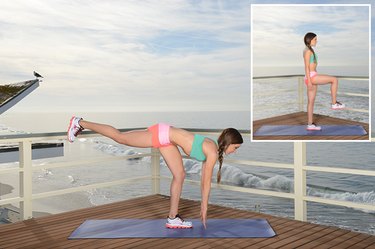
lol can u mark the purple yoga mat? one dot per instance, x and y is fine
(144, 228)
(300, 130)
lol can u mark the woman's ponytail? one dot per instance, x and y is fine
(227, 137)
(307, 39)
(220, 159)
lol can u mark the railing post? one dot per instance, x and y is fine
(300, 94)
(300, 212)
(155, 170)
(25, 179)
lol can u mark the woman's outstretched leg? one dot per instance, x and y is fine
(137, 138)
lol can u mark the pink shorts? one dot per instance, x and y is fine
(312, 75)
(160, 135)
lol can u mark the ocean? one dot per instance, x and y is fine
(354, 93)
(335, 186)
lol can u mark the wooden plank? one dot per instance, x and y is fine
(310, 237)
(82, 212)
(53, 230)
(62, 226)
(288, 229)
(367, 243)
(352, 242)
(327, 237)
(304, 233)
(338, 240)
(53, 221)
(247, 242)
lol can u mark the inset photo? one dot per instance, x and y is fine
(310, 72)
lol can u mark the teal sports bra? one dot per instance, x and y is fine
(313, 58)
(197, 148)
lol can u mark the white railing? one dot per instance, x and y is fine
(299, 166)
(301, 91)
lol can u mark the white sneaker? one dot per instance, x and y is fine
(178, 222)
(337, 106)
(74, 128)
(313, 127)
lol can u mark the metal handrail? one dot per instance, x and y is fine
(299, 166)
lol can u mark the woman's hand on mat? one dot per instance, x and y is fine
(204, 215)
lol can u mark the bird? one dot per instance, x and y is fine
(37, 75)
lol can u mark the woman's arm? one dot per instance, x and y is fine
(207, 169)
(306, 58)
(210, 150)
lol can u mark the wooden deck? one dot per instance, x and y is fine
(299, 118)
(52, 231)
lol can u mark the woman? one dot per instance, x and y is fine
(167, 138)
(313, 79)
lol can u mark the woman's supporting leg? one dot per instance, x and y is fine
(137, 138)
(311, 93)
(173, 158)
(322, 79)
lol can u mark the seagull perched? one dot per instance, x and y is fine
(37, 75)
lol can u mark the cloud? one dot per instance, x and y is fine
(343, 34)
(128, 54)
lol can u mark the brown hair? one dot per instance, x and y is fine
(227, 137)
(307, 39)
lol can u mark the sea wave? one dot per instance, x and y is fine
(116, 150)
(362, 197)
(97, 197)
(10, 130)
(233, 175)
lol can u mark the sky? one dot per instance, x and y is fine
(127, 55)
(169, 55)
(342, 32)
